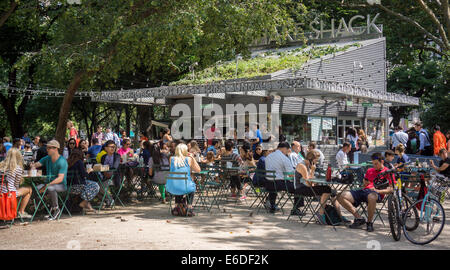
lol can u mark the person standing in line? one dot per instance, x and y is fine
(425, 148)
(98, 135)
(399, 137)
(439, 140)
(352, 138)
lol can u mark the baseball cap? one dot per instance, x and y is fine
(53, 143)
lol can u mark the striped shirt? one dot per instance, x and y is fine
(12, 179)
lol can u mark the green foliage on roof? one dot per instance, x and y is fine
(260, 65)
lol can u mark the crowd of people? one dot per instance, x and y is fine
(167, 155)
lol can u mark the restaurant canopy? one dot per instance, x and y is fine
(337, 71)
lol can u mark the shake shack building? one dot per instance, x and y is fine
(335, 81)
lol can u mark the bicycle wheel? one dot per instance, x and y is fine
(431, 222)
(394, 218)
(413, 216)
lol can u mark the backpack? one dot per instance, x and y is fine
(332, 217)
(180, 209)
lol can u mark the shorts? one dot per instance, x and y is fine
(361, 195)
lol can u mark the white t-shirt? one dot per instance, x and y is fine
(341, 158)
(351, 139)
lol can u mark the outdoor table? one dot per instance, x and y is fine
(34, 181)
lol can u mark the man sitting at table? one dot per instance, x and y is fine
(342, 161)
(56, 167)
(369, 194)
(279, 162)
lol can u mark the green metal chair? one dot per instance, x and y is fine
(178, 176)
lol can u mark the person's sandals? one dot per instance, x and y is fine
(24, 215)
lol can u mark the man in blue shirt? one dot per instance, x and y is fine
(56, 167)
(213, 147)
(257, 137)
(6, 143)
(26, 138)
(425, 148)
(94, 149)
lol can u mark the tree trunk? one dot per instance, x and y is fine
(65, 109)
(143, 114)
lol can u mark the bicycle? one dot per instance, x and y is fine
(431, 213)
(398, 203)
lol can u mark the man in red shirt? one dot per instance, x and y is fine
(369, 194)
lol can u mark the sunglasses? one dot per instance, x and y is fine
(51, 147)
(71, 143)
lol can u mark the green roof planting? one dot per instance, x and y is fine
(260, 65)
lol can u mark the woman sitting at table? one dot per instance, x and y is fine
(71, 144)
(248, 161)
(305, 170)
(195, 150)
(209, 160)
(183, 162)
(112, 159)
(12, 168)
(158, 165)
(78, 175)
(84, 147)
(126, 150)
(146, 153)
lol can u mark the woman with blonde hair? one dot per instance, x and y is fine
(362, 141)
(12, 168)
(182, 161)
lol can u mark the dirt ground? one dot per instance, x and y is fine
(148, 225)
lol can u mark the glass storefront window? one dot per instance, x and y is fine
(376, 132)
(309, 128)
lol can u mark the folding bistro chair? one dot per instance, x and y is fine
(63, 197)
(178, 176)
(201, 192)
(263, 197)
(104, 185)
(288, 177)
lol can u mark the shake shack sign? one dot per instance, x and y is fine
(333, 29)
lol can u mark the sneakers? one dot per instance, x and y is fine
(24, 215)
(370, 226)
(345, 221)
(243, 198)
(357, 223)
(274, 209)
(54, 213)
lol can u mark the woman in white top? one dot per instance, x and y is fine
(12, 169)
